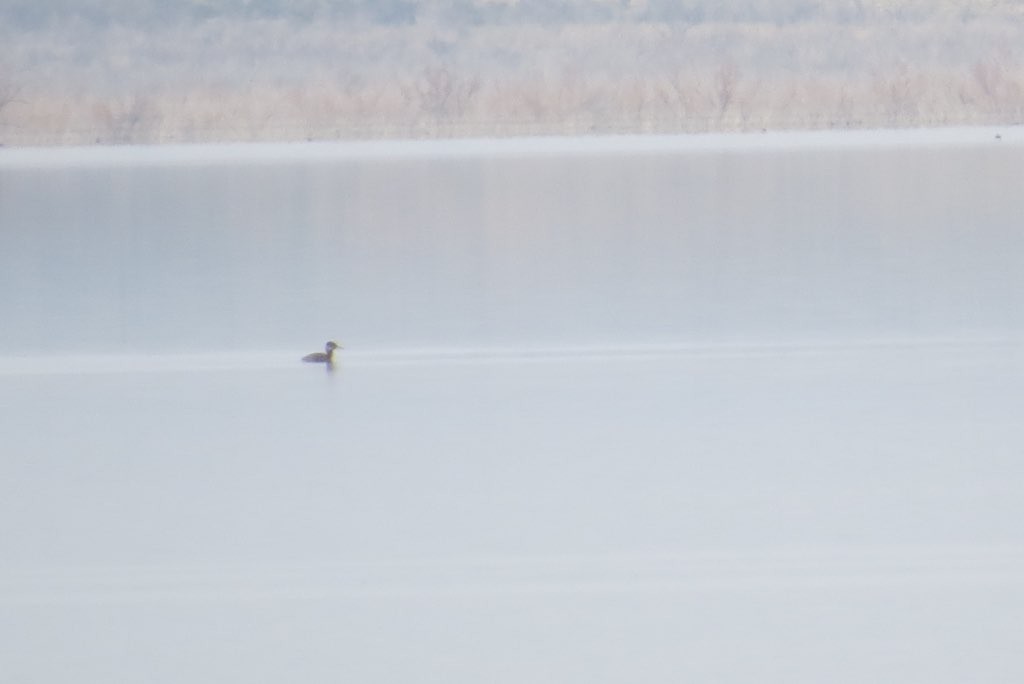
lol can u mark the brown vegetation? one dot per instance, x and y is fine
(283, 79)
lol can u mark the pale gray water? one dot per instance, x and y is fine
(497, 248)
(722, 413)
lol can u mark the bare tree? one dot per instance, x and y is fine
(994, 78)
(988, 74)
(8, 95)
(726, 80)
(679, 92)
(897, 89)
(441, 94)
(10, 92)
(126, 120)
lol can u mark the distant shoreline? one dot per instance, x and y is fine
(209, 154)
(237, 78)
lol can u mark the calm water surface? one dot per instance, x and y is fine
(605, 412)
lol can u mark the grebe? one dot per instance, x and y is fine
(326, 356)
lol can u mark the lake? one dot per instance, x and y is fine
(719, 408)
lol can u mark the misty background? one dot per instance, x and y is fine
(609, 408)
(109, 72)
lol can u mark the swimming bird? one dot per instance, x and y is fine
(326, 356)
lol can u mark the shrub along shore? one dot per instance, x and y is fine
(265, 76)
